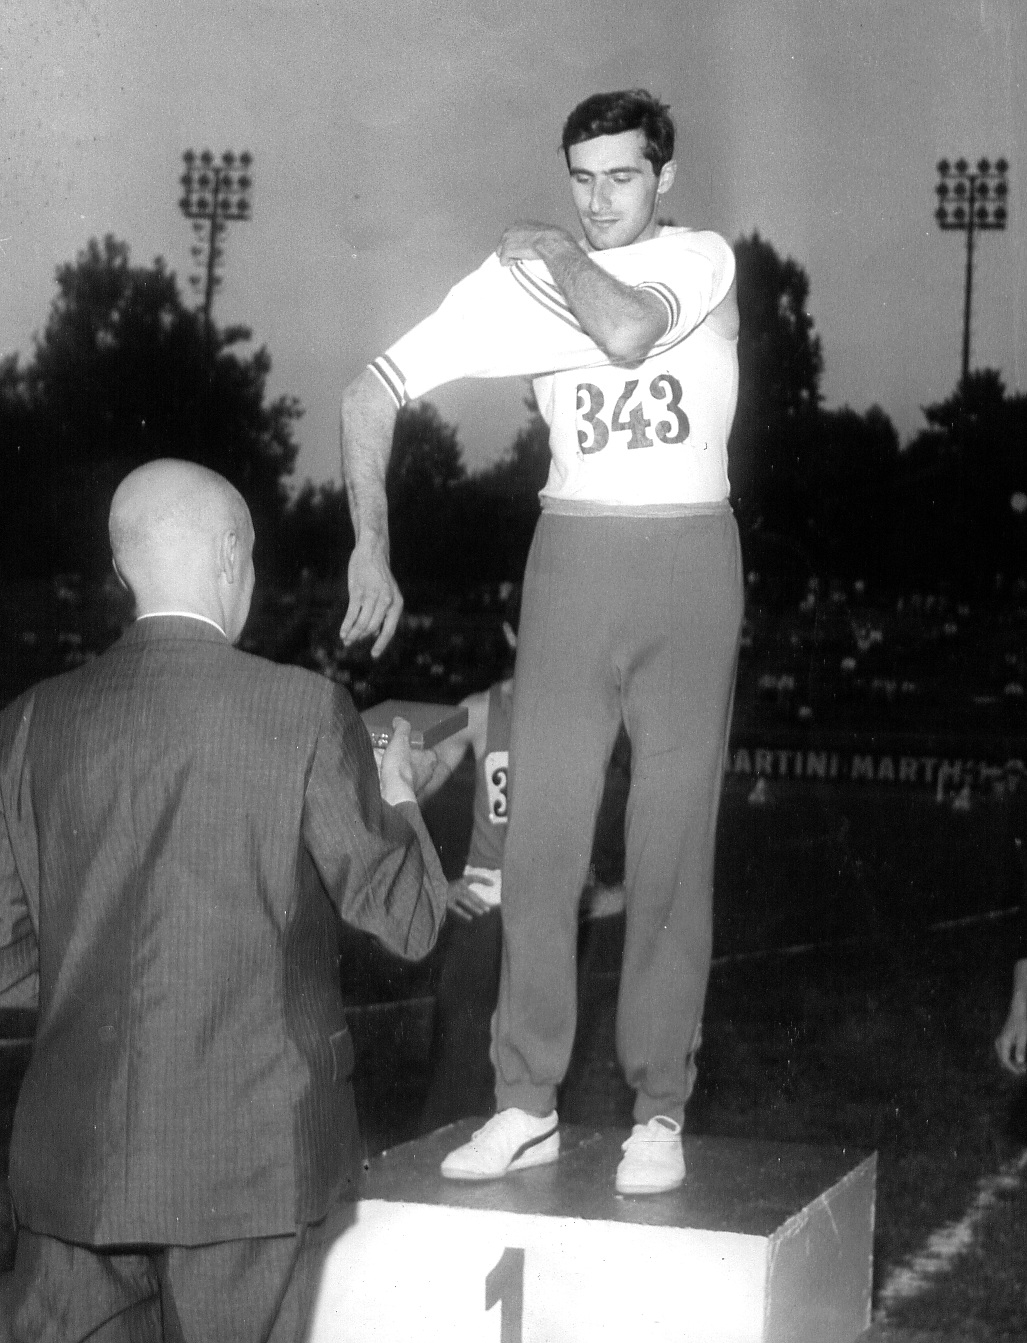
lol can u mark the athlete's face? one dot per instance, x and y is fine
(616, 192)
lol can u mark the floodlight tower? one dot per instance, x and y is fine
(215, 193)
(971, 199)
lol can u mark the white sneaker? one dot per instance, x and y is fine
(653, 1158)
(511, 1140)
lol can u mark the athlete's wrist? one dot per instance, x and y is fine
(371, 532)
(554, 239)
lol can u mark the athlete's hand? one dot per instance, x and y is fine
(521, 242)
(465, 903)
(1011, 1044)
(375, 602)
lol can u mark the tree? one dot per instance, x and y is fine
(779, 354)
(963, 486)
(426, 460)
(851, 491)
(423, 484)
(123, 373)
(23, 480)
(504, 499)
(316, 533)
(780, 365)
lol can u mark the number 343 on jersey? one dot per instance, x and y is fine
(633, 413)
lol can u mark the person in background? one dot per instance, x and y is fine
(461, 1080)
(1011, 1042)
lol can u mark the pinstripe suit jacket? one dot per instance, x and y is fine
(181, 827)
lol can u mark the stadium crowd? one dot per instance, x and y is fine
(837, 656)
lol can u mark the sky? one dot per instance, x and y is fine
(393, 141)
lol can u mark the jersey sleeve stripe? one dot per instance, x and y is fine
(548, 296)
(392, 378)
(669, 300)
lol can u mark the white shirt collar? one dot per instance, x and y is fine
(187, 615)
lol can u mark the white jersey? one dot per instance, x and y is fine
(654, 435)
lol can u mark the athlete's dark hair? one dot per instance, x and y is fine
(614, 113)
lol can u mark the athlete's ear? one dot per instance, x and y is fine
(667, 174)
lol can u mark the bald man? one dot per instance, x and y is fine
(182, 826)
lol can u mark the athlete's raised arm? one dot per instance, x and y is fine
(623, 321)
(617, 188)
(367, 424)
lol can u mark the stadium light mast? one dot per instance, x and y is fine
(215, 193)
(971, 200)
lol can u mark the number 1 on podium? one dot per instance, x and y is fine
(505, 1284)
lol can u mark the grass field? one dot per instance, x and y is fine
(857, 985)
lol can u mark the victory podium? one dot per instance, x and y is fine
(764, 1243)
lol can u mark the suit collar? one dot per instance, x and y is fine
(185, 615)
(155, 629)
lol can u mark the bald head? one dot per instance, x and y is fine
(182, 540)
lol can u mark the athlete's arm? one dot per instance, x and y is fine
(368, 421)
(624, 322)
(514, 320)
(723, 319)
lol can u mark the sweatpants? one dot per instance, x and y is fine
(629, 619)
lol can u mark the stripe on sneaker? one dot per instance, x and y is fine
(532, 1142)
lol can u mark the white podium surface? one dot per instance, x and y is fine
(764, 1243)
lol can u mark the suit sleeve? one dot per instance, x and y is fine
(19, 948)
(377, 862)
(505, 321)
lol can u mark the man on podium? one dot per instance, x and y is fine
(632, 604)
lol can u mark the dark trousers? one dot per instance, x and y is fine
(632, 620)
(461, 1080)
(240, 1291)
